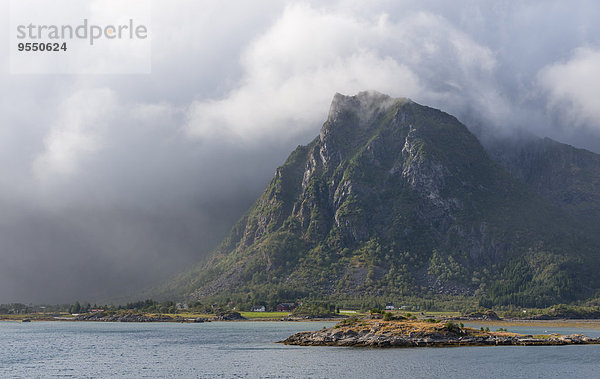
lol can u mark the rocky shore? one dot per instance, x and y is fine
(133, 317)
(417, 333)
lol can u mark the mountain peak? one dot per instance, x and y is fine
(364, 106)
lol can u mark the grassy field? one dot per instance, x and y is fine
(264, 315)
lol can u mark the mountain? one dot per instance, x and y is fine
(566, 176)
(394, 200)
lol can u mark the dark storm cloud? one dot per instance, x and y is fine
(110, 183)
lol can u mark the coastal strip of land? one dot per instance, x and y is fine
(423, 333)
(132, 316)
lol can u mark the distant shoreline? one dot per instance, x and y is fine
(591, 323)
(165, 319)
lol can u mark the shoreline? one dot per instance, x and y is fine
(166, 320)
(589, 323)
(565, 323)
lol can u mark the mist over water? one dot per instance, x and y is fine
(110, 183)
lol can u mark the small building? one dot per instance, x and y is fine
(259, 308)
(181, 306)
(285, 307)
(389, 307)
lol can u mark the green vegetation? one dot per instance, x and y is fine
(453, 327)
(588, 310)
(15, 308)
(49, 309)
(316, 309)
(349, 321)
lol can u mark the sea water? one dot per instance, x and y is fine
(249, 350)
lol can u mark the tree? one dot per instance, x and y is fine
(75, 308)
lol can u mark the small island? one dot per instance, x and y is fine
(422, 333)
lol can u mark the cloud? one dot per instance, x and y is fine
(573, 88)
(77, 132)
(291, 71)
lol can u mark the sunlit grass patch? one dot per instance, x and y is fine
(264, 315)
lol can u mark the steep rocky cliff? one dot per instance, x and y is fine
(394, 199)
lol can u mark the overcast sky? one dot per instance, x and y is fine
(109, 183)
